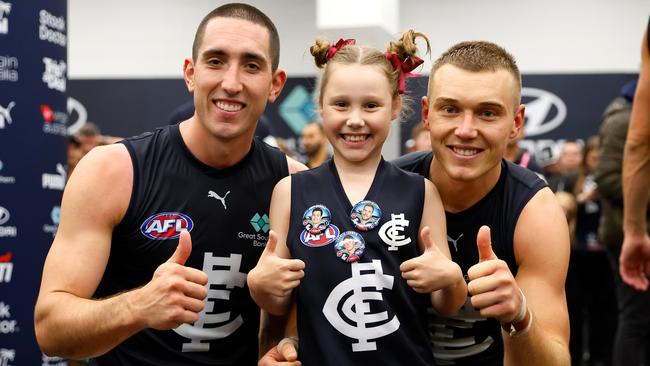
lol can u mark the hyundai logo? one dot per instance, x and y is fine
(545, 111)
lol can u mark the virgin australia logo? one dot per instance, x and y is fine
(545, 111)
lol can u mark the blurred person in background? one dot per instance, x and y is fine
(89, 136)
(564, 179)
(521, 156)
(315, 145)
(420, 139)
(632, 336)
(590, 285)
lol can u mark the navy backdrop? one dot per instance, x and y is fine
(559, 106)
(33, 129)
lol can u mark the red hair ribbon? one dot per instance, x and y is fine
(404, 67)
(334, 49)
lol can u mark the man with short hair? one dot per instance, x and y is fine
(315, 144)
(505, 227)
(117, 285)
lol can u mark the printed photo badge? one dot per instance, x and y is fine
(365, 215)
(316, 219)
(318, 240)
(350, 246)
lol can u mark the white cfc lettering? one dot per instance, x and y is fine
(357, 309)
(229, 276)
(391, 232)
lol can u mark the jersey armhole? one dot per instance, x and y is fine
(538, 186)
(135, 187)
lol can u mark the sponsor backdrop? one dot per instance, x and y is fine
(558, 107)
(33, 123)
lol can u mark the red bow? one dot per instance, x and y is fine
(333, 49)
(404, 67)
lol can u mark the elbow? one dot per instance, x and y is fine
(45, 343)
(46, 335)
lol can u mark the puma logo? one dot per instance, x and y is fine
(212, 194)
(455, 242)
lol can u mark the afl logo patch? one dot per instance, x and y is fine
(318, 240)
(166, 225)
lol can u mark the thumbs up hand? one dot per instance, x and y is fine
(275, 275)
(432, 270)
(174, 295)
(493, 289)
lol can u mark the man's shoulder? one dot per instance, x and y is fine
(416, 162)
(271, 157)
(522, 178)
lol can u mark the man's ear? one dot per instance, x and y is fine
(519, 121)
(188, 74)
(277, 83)
(425, 111)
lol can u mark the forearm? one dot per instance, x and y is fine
(448, 300)
(636, 175)
(535, 348)
(274, 305)
(73, 327)
(274, 328)
(636, 161)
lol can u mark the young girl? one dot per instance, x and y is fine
(367, 275)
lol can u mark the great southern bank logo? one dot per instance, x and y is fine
(260, 223)
(166, 225)
(545, 111)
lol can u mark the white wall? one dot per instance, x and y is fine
(150, 38)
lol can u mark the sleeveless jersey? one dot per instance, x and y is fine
(226, 212)
(362, 312)
(466, 338)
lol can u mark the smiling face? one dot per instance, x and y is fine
(357, 106)
(366, 212)
(231, 78)
(348, 244)
(471, 116)
(316, 216)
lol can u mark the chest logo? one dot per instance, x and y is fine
(360, 324)
(454, 241)
(166, 225)
(213, 194)
(226, 277)
(392, 232)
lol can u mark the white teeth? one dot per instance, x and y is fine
(465, 152)
(354, 138)
(229, 107)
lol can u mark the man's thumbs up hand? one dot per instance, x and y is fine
(174, 295)
(493, 288)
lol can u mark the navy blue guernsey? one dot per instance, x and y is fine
(361, 313)
(466, 338)
(226, 212)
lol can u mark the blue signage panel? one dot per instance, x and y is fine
(33, 130)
